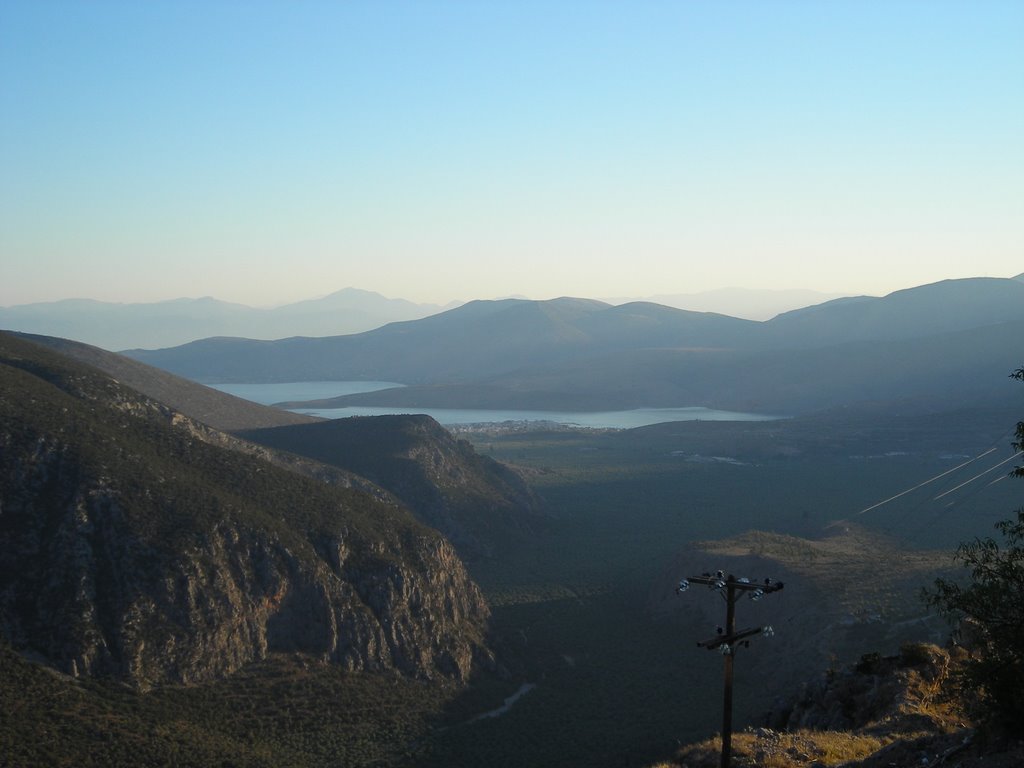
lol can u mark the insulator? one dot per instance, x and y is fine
(757, 594)
(768, 631)
(724, 649)
(683, 585)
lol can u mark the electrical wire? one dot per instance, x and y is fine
(982, 474)
(926, 482)
(959, 502)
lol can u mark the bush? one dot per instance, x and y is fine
(916, 654)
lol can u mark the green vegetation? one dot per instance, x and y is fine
(286, 712)
(1018, 442)
(993, 604)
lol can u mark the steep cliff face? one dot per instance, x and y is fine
(476, 502)
(129, 548)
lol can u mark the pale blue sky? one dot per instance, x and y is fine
(268, 152)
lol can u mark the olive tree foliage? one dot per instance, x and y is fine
(1018, 442)
(993, 603)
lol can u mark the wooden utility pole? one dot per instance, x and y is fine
(728, 639)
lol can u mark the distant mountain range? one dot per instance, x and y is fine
(168, 323)
(115, 326)
(946, 341)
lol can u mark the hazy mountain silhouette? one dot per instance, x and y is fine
(951, 305)
(948, 340)
(478, 339)
(115, 326)
(747, 303)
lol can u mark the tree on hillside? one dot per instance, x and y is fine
(993, 601)
(1018, 442)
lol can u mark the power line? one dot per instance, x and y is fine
(894, 522)
(997, 480)
(982, 474)
(926, 482)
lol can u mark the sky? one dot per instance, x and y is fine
(267, 152)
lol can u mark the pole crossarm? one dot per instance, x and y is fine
(721, 581)
(735, 637)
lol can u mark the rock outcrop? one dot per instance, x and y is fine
(877, 689)
(909, 709)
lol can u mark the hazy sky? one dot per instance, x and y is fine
(268, 152)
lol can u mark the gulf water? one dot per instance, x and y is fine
(269, 394)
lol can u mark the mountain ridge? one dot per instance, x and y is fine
(744, 303)
(212, 407)
(568, 354)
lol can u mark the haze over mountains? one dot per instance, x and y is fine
(747, 303)
(115, 326)
(167, 323)
(948, 342)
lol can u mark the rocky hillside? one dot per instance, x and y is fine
(209, 406)
(472, 499)
(908, 709)
(131, 549)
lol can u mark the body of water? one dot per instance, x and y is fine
(268, 394)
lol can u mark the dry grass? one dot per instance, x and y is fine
(764, 748)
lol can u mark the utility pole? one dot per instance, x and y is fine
(728, 639)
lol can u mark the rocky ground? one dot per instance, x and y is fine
(903, 710)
